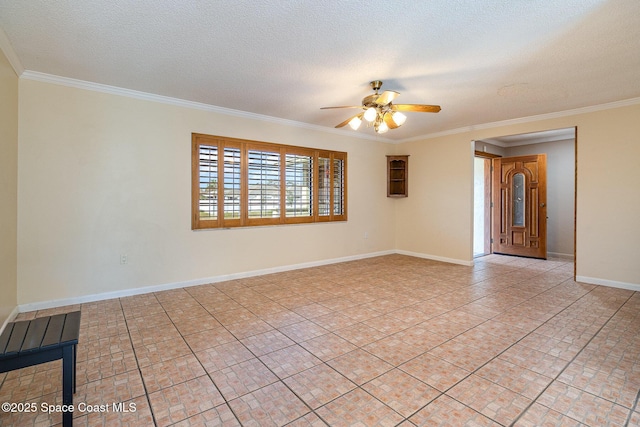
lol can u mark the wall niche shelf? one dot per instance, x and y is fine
(397, 176)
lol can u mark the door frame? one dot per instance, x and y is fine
(488, 197)
(575, 185)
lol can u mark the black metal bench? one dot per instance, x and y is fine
(44, 339)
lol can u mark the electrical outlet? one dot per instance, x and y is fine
(124, 259)
(366, 234)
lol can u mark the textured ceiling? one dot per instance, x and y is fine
(482, 60)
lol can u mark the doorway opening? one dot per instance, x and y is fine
(560, 146)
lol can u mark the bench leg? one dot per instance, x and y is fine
(75, 360)
(68, 381)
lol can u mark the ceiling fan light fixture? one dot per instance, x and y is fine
(355, 123)
(380, 112)
(398, 118)
(371, 114)
(382, 128)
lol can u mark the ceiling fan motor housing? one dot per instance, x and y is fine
(370, 101)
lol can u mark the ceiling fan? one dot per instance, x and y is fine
(381, 112)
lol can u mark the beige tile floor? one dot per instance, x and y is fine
(384, 341)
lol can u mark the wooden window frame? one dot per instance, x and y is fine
(221, 142)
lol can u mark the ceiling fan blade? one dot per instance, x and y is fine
(346, 122)
(386, 97)
(418, 108)
(343, 106)
(390, 122)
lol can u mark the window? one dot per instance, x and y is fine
(231, 183)
(263, 183)
(239, 183)
(298, 185)
(324, 185)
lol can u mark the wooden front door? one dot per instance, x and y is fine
(520, 206)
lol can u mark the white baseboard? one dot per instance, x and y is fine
(436, 258)
(42, 305)
(560, 255)
(610, 283)
(9, 319)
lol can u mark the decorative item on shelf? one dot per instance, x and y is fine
(397, 176)
(380, 112)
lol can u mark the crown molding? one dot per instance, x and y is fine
(552, 135)
(7, 49)
(529, 119)
(114, 90)
(145, 96)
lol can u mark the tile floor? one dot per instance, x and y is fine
(386, 341)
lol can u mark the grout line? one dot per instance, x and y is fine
(633, 409)
(144, 385)
(193, 353)
(453, 337)
(322, 362)
(389, 271)
(519, 340)
(572, 360)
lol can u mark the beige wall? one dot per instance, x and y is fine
(102, 175)
(437, 217)
(8, 188)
